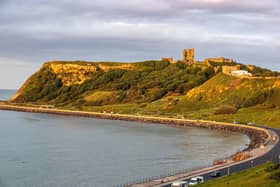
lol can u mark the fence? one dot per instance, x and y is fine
(148, 179)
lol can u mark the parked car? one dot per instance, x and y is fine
(215, 174)
(180, 184)
(250, 123)
(196, 180)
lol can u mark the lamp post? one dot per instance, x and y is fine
(276, 161)
(228, 171)
(262, 147)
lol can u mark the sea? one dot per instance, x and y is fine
(45, 150)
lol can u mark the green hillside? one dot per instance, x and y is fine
(224, 89)
(96, 84)
(179, 90)
(266, 175)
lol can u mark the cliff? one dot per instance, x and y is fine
(153, 85)
(81, 82)
(240, 92)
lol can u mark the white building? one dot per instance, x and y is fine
(241, 73)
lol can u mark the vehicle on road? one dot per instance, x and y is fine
(180, 184)
(196, 180)
(250, 123)
(215, 174)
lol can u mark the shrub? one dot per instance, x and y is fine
(259, 98)
(226, 109)
(276, 176)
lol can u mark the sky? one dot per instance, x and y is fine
(35, 31)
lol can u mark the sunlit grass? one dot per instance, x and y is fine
(263, 176)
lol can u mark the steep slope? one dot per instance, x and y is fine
(156, 88)
(94, 84)
(157, 84)
(224, 89)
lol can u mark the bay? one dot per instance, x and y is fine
(48, 150)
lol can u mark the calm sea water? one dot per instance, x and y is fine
(48, 150)
(6, 94)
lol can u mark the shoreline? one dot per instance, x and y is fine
(259, 137)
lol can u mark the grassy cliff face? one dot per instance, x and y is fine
(224, 89)
(155, 88)
(95, 84)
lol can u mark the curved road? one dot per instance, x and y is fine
(272, 155)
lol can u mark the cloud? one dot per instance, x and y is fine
(225, 6)
(14, 72)
(127, 30)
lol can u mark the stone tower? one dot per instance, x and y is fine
(188, 56)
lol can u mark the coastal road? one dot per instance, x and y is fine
(272, 155)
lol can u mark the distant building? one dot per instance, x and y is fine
(218, 60)
(168, 59)
(188, 56)
(229, 69)
(241, 73)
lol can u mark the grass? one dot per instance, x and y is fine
(121, 108)
(223, 89)
(261, 176)
(257, 115)
(165, 107)
(266, 117)
(98, 95)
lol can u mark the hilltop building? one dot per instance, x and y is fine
(241, 73)
(219, 60)
(229, 69)
(188, 56)
(229, 66)
(236, 71)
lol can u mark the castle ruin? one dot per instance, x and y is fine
(188, 56)
(229, 69)
(219, 60)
